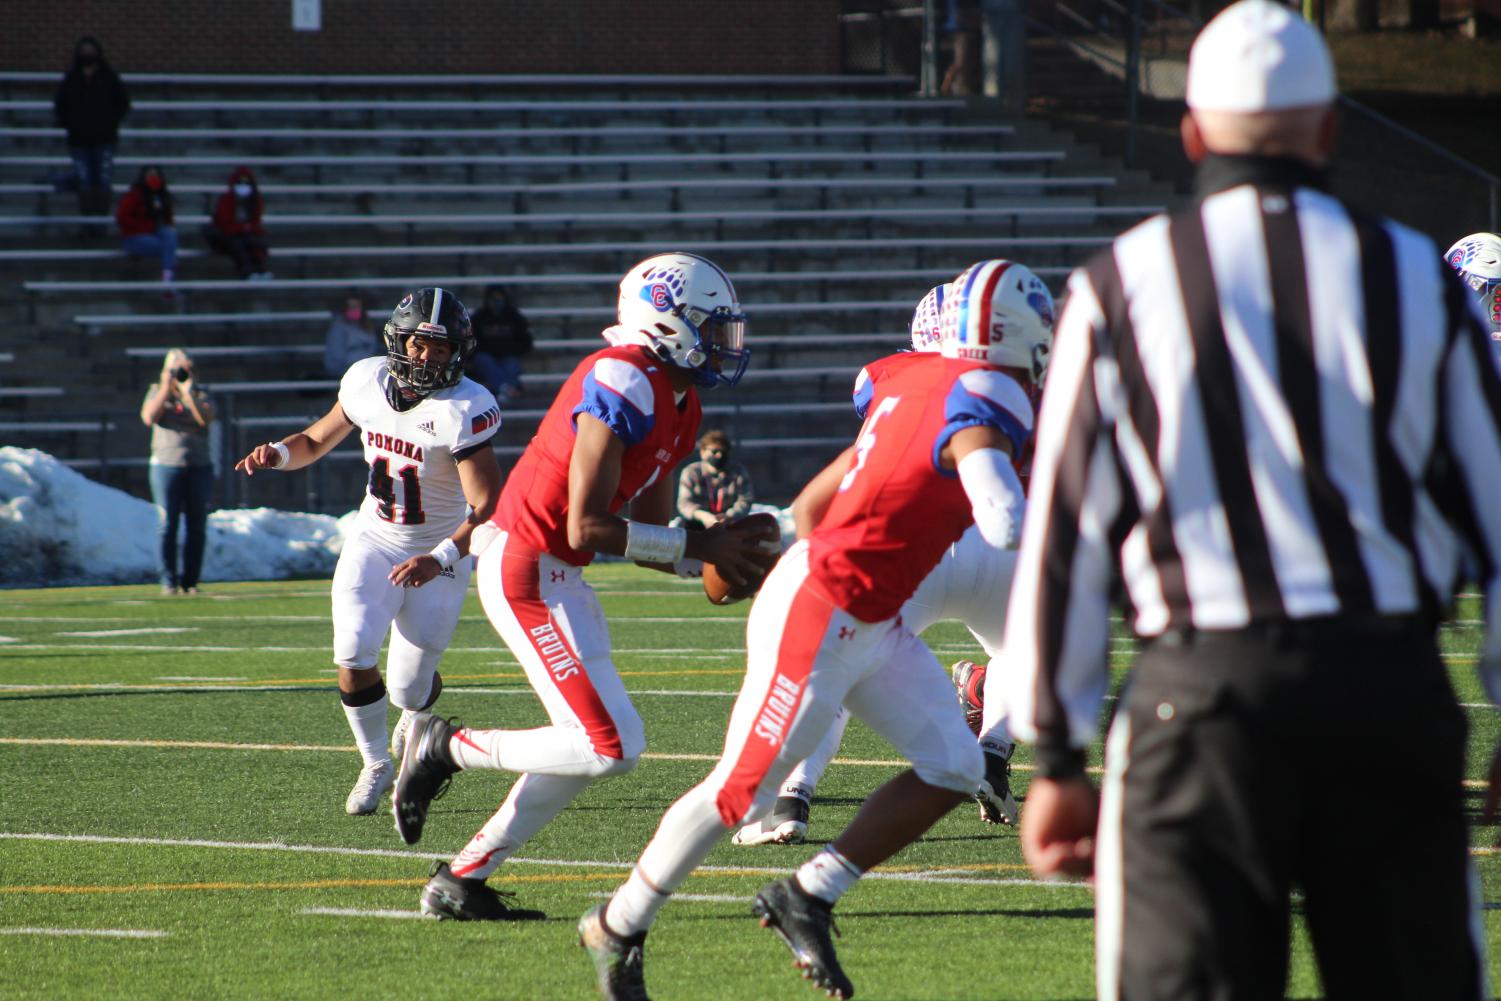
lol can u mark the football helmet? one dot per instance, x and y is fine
(926, 330)
(1477, 258)
(438, 314)
(999, 312)
(683, 309)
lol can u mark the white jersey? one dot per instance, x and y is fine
(414, 499)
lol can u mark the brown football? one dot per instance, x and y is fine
(722, 592)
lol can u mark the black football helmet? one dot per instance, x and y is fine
(440, 315)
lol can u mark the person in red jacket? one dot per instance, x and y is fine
(145, 219)
(236, 228)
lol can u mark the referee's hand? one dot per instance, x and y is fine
(1058, 826)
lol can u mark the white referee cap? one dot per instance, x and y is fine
(1258, 56)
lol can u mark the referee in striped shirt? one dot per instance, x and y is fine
(1274, 420)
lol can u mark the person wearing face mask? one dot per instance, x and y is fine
(713, 489)
(179, 413)
(145, 219)
(90, 104)
(236, 229)
(504, 338)
(348, 339)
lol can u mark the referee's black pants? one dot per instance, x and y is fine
(1326, 755)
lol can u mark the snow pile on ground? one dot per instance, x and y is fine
(59, 527)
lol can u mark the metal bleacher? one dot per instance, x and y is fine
(833, 202)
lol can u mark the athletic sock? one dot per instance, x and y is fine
(827, 875)
(366, 712)
(634, 906)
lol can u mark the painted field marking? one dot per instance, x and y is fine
(189, 677)
(711, 898)
(900, 874)
(144, 630)
(355, 912)
(8, 639)
(87, 932)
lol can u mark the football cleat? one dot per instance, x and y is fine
(375, 778)
(969, 683)
(399, 734)
(426, 769)
(617, 960)
(786, 824)
(997, 805)
(803, 921)
(447, 896)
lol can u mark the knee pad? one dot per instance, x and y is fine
(412, 675)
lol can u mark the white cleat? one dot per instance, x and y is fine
(786, 824)
(375, 779)
(399, 733)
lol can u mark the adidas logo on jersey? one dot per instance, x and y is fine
(426, 427)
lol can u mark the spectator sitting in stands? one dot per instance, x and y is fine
(90, 104)
(503, 337)
(145, 218)
(236, 227)
(347, 340)
(713, 489)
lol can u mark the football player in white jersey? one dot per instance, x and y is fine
(426, 432)
(971, 584)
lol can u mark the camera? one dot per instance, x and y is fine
(181, 374)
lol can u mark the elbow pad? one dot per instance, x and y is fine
(995, 496)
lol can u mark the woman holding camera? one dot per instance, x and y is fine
(182, 473)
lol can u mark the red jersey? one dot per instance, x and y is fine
(881, 368)
(629, 391)
(897, 510)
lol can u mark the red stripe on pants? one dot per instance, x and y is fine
(802, 637)
(520, 576)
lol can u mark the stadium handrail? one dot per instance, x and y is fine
(600, 279)
(854, 244)
(612, 107)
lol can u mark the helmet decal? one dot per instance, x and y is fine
(659, 295)
(1043, 304)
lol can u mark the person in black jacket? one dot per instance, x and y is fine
(503, 337)
(90, 104)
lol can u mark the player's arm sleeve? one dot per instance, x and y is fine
(1056, 649)
(620, 396)
(865, 390)
(1472, 435)
(986, 397)
(995, 495)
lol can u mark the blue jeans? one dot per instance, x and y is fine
(162, 243)
(182, 492)
(501, 376)
(95, 166)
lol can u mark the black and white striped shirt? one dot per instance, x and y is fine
(1267, 406)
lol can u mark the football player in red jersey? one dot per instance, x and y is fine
(825, 631)
(619, 426)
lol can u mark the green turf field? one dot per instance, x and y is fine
(175, 769)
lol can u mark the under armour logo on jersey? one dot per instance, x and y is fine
(663, 455)
(558, 576)
(426, 427)
(846, 633)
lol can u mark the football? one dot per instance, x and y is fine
(721, 591)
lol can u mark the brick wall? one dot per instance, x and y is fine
(442, 36)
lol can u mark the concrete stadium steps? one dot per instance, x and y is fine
(560, 235)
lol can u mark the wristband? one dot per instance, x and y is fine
(654, 543)
(284, 454)
(446, 553)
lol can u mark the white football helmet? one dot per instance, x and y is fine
(999, 312)
(683, 308)
(926, 319)
(1477, 258)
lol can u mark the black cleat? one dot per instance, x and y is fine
(997, 805)
(969, 685)
(426, 768)
(617, 960)
(803, 921)
(447, 896)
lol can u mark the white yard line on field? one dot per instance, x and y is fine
(709, 898)
(919, 876)
(131, 632)
(355, 912)
(87, 932)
